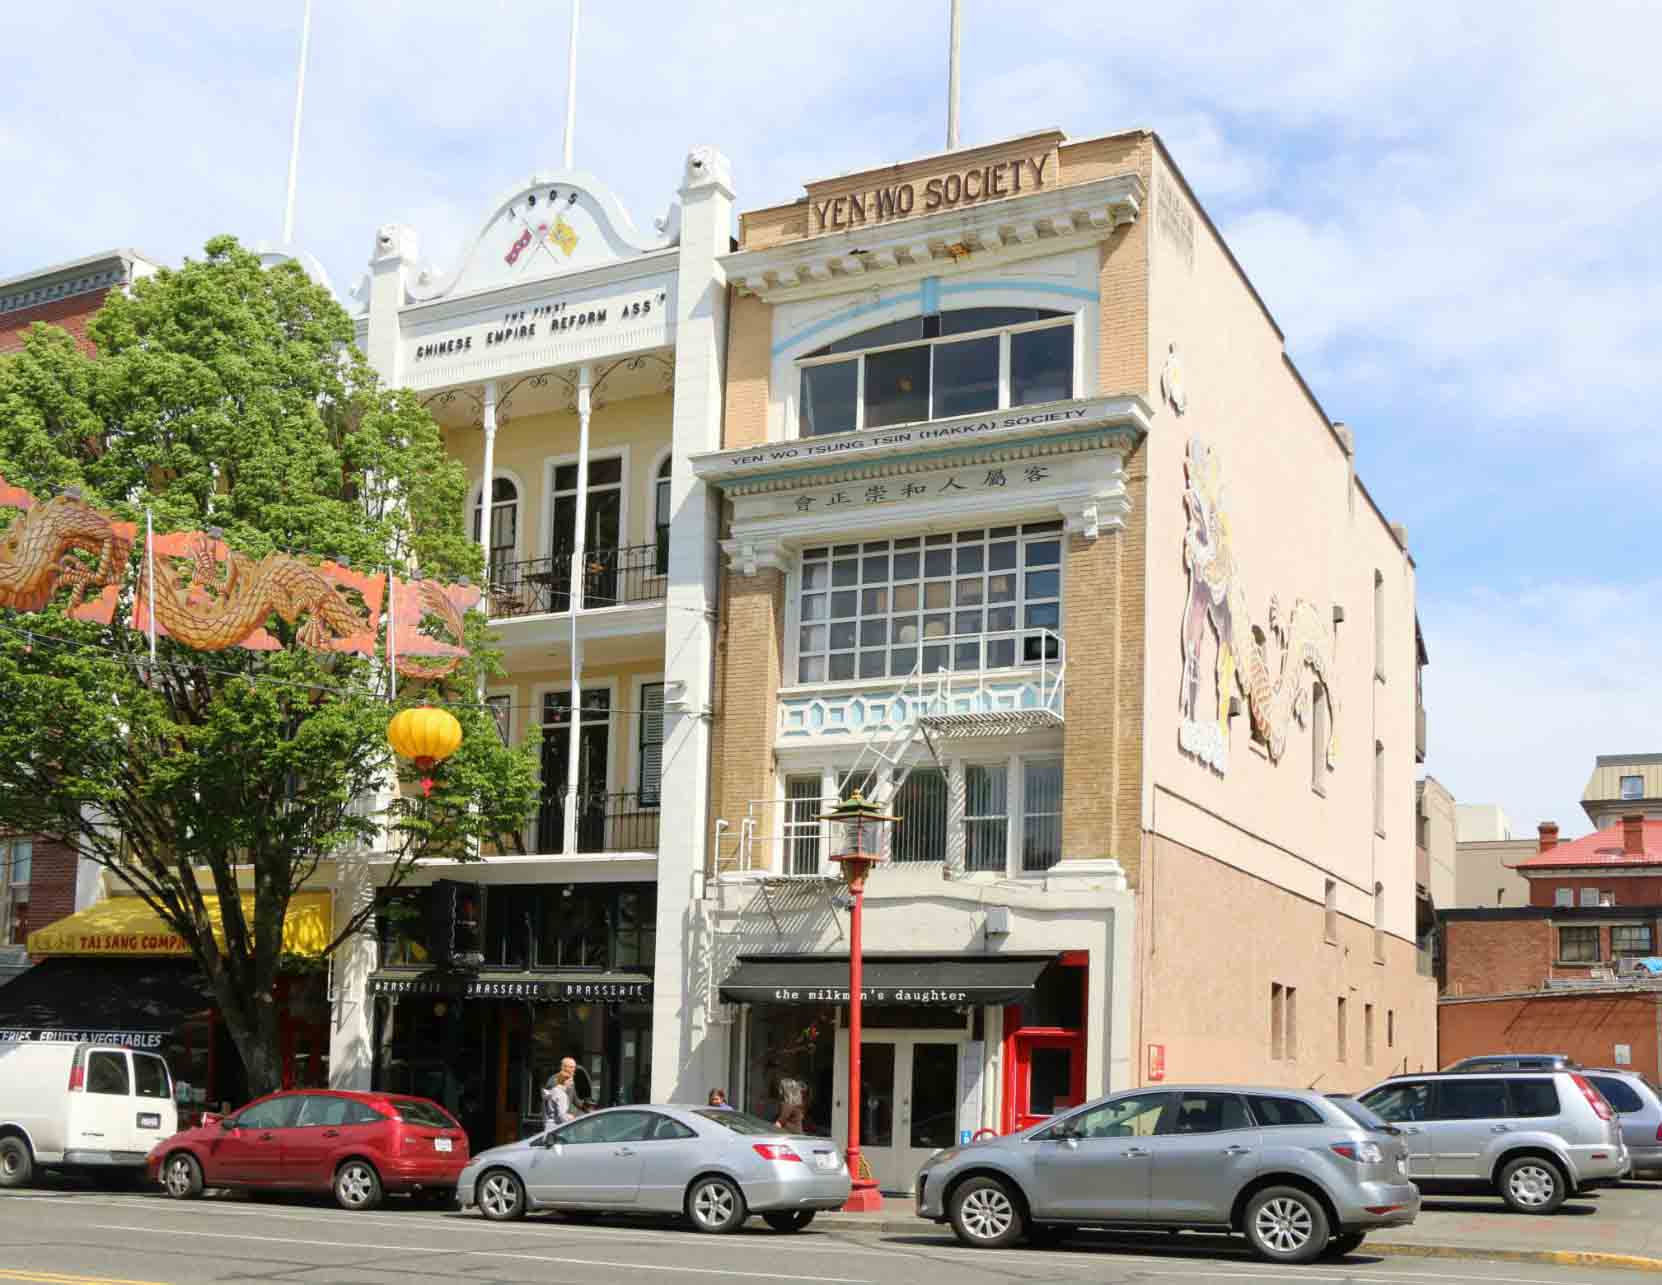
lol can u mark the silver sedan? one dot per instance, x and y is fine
(714, 1166)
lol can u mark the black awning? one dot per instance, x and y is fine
(935, 980)
(137, 1002)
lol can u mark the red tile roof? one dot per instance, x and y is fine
(1603, 848)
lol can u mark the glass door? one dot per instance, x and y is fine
(594, 753)
(603, 528)
(909, 1087)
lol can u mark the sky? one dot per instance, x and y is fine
(1451, 210)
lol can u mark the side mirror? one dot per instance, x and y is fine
(228, 1123)
(1064, 1131)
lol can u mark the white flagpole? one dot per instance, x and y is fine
(299, 102)
(392, 633)
(952, 79)
(571, 84)
(150, 577)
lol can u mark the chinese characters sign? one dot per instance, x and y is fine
(901, 492)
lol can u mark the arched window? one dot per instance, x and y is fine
(504, 528)
(959, 362)
(660, 498)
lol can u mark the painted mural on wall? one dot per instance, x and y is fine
(210, 597)
(1270, 675)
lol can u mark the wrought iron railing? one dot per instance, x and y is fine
(611, 578)
(625, 822)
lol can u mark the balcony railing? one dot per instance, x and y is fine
(605, 823)
(611, 578)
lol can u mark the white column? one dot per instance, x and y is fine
(487, 485)
(688, 1053)
(580, 524)
(352, 1025)
(396, 249)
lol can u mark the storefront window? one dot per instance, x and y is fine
(401, 924)
(968, 601)
(792, 1065)
(923, 368)
(569, 926)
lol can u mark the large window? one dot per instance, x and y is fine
(986, 815)
(1632, 939)
(16, 857)
(1041, 825)
(920, 803)
(1578, 945)
(967, 601)
(954, 363)
(504, 528)
(1633, 787)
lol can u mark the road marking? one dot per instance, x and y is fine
(488, 1253)
(63, 1278)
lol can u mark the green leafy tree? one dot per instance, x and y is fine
(225, 395)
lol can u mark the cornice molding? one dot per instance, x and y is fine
(1016, 227)
(748, 554)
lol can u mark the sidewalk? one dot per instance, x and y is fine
(1618, 1227)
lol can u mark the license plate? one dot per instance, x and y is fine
(825, 1159)
(441, 1144)
(149, 1121)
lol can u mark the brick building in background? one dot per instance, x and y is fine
(1576, 970)
(42, 882)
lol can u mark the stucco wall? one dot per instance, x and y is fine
(1298, 529)
(1216, 939)
(1484, 874)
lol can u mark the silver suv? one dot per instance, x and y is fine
(1639, 1111)
(1535, 1137)
(1298, 1175)
(1515, 1062)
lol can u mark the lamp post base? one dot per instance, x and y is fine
(865, 1198)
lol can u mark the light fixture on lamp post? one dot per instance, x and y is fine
(860, 853)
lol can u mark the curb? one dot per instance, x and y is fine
(1383, 1248)
(1549, 1257)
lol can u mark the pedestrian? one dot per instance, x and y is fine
(791, 1118)
(556, 1099)
(718, 1099)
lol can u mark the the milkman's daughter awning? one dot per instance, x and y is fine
(931, 980)
(127, 926)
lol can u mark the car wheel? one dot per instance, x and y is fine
(1286, 1225)
(182, 1176)
(716, 1205)
(1347, 1243)
(501, 1196)
(1532, 1185)
(17, 1166)
(985, 1214)
(357, 1186)
(789, 1219)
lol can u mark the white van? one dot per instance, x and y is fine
(70, 1106)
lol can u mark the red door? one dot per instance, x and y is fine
(250, 1150)
(1045, 1074)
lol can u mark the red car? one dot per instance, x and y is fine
(357, 1145)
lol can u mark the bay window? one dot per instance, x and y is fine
(960, 362)
(962, 601)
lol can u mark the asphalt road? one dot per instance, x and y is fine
(100, 1238)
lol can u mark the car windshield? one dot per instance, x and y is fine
(738, 1121)
(414, 1111)
(1359, 1113)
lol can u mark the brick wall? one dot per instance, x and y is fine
(1629, 890)
(1586, 1027)
(749, 349)
(1494, 957)
(51, 883)
(1130, 663)
(72, 314)
(749, 663)
(1091, 597)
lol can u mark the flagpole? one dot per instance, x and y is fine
(392, 632)
(952, 78)
(299, 102)
(571, 83)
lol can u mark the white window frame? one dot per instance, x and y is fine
(520, 504)
(538, 692)
(9, 887)
(493, 698)
(1638, 787)
(795, 591)
(1563, 897)
(1002, 333)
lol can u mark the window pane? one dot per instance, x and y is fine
(605, 472)
(150, 1076)
(828, 396)
(802, 825)
(1616, 1093)
(873, 664)
(1041, 845)
(961, 321)
(1578, 945)
(107, 1073)
(897, 387)
(816, 575)
(1041, 365)
(1280, 1111)
(842, 666)
(1209, 1113)
(986, 816)
(1471, 1099)
(966, 377)
(1394, 1104)
(1534, 1097)
(22, 857)
(1630, 939)
(893, 332)
(920, 803)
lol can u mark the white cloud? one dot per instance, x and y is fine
(1525, 688)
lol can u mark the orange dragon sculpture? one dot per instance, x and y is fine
(38, 550)
(231, 596)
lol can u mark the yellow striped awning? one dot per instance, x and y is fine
(126, 926)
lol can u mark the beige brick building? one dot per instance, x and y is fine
(1032, 530)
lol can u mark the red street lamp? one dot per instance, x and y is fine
(861, 820)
